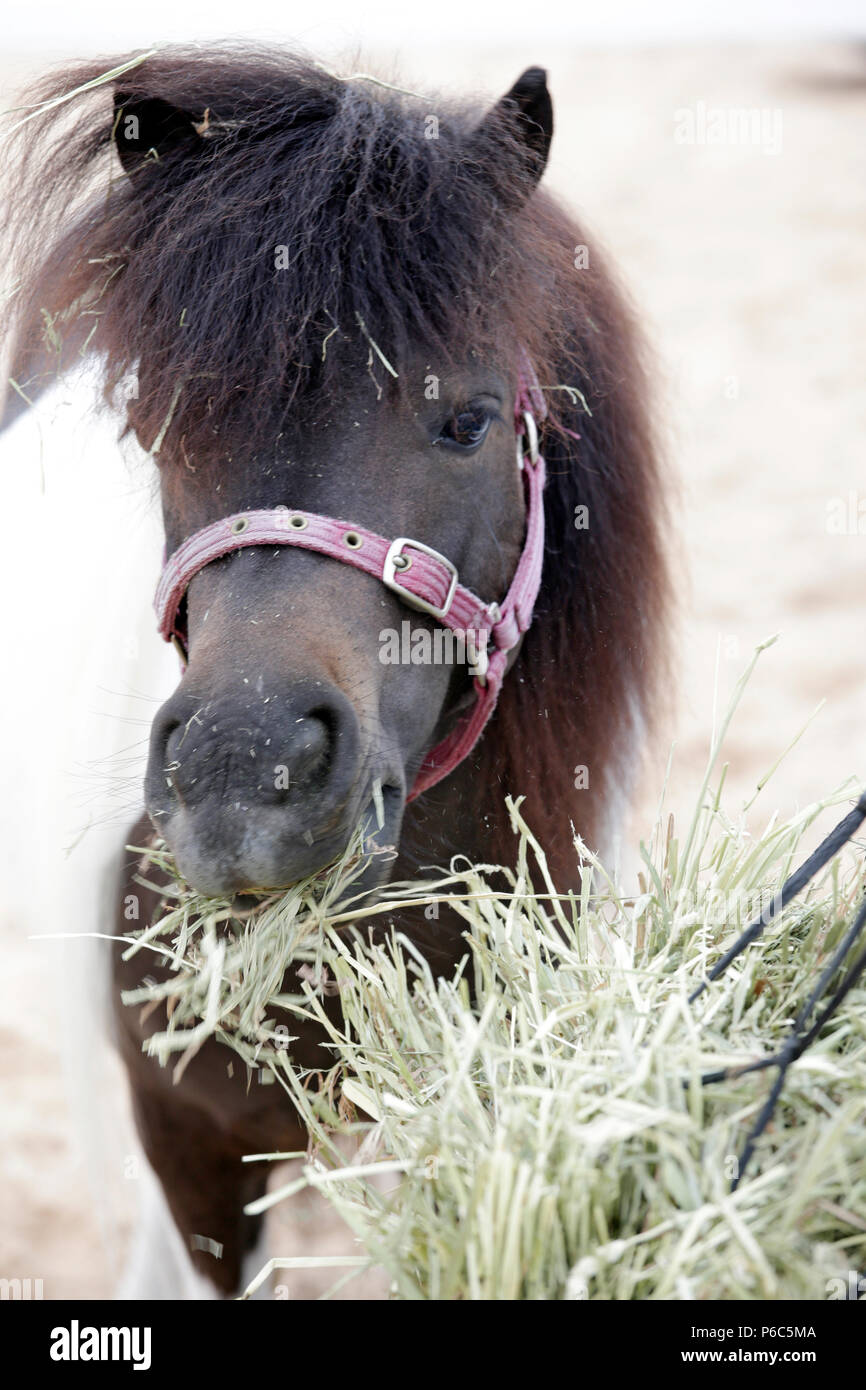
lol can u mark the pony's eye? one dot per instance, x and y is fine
(466, 429)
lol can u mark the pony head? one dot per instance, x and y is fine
(322, 290)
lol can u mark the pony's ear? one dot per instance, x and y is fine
(526, 112)
(148, 127)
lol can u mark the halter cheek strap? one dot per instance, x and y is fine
(421, 577)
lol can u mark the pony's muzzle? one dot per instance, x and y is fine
(254, 790)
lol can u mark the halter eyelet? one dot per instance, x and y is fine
(298, 523)
(353, 540)
(239, 525)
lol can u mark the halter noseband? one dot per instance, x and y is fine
(421, 577)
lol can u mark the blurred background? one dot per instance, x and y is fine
(717, 152)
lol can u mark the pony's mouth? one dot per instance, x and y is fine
(249, 859)
(246, 904)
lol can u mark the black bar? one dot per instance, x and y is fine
(267, 1343)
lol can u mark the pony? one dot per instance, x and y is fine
(319, 292)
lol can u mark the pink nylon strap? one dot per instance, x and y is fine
(429, 578)
(516, 612)
(428, 582)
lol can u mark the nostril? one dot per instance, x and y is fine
(246, 752)
(170, 742)
(161, 788)
(328, 718)
(306, 752)
(172, 736)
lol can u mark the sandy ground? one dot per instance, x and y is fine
(749, 263)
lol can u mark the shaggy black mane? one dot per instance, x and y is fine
(305, 208)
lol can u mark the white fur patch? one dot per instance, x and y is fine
(158, 1266)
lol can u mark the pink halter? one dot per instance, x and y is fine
(421, 577)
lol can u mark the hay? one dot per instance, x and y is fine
(104, 79)
(555, 1140)
(227, 965)
(539, 1127)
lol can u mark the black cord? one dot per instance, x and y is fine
(797, 1040)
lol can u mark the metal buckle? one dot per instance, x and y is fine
(390, 571)
(530, 435)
